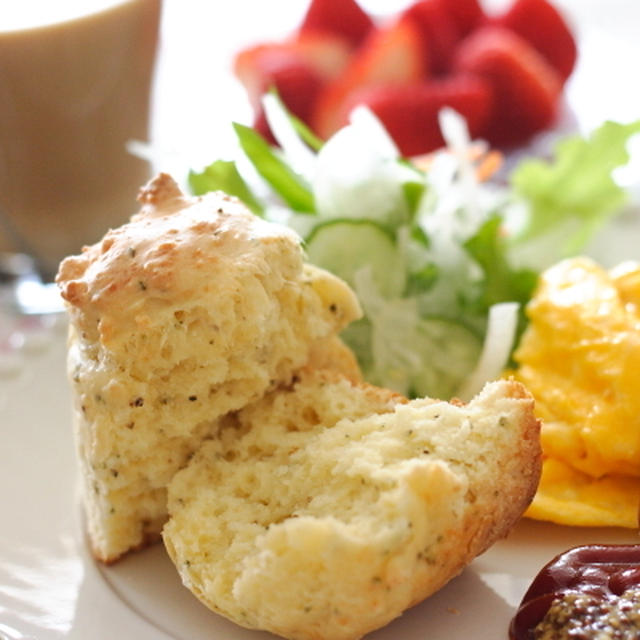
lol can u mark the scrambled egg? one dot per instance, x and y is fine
(580, 357)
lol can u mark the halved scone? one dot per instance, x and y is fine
(328, 507)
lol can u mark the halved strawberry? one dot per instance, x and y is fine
(439, 32)
(526, 87)
(392, 54)
(327, 55)
(540, 23)
(298, 84)
(254, 66)
(344, 18)
(410, 112)
(261, 125)
(467, 15)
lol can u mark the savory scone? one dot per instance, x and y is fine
(193, 309)
(327, 508)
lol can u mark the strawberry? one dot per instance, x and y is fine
(410, 112)
(298, 84)
(343, 18)
(438, 29)
(261, 125)
(326, 54)
(392, 54)
(526, 87)
(467, 15)
(540, 23)
(254, 67)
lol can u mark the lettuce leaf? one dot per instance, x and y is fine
(500, 281)
(275, 171)
(223, 175)
(576, 191)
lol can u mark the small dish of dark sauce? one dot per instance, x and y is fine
(587, 592)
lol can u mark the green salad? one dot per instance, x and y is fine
(443, 263)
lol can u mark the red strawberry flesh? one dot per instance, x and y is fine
(410, 112)
(541, 24)
(526, 87)
(339, 17)
(438, 30)
(391, 54)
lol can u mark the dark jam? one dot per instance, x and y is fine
(585, 593)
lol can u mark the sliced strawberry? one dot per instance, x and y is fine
(254, 66)
(326, 54)
(343, 18)
(261, 125)
(392, 54)
(467, 15)
(298, 84)
(545, 28)
(526, 87)
(438, 29)
(410, 112)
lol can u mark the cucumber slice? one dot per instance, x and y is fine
(429, 357)
(346, 246)
(411, 353)
(449, 353)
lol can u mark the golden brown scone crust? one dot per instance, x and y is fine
(171, 252)
(191, 310)
(327, 508)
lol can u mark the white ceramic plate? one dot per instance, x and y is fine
(50, 587)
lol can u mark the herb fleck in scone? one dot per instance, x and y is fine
(325, 509)
(191, 310)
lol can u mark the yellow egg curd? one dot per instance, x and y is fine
(580, 358)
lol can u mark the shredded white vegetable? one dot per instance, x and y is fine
(501, 332)
(358, 174)
(365, 121)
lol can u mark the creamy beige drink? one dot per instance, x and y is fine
(74, 88)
